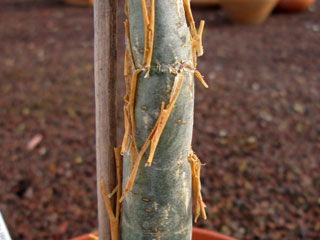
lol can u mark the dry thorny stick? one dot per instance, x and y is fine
(126, 25)
(114, 191)
(138, 159)
(114, 217)
(196, 184)
(113, 220)
(199, 76)
(187, 8)
(146, 28)
(127, 75)
(149, 20)
(132, 98)
(151, 35)
(129, 66)
(119, 167)
(165, 114)
(196, 38)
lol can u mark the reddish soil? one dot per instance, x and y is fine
(257, 128)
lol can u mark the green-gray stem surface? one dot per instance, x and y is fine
(159, 205)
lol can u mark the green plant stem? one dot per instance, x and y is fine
(159, 205)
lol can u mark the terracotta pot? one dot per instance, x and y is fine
(294, 5)
(202, 234)
(205, 2)
(83, 3)
(197, 234)
(248, 11)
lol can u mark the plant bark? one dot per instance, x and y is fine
(105, 53)
(159, 205)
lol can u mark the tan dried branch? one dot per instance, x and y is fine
(132, 99)
(127, 30)
(165, 114)
(119, 166)
(187, 8)
(114, 217)
(137, 162)
(196, 185)
(149, 21)
(127, 76)
(200, 77)
(196, 38)
(113, 221)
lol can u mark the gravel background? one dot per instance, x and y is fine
(257, 128)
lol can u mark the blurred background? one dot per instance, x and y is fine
(257, 128)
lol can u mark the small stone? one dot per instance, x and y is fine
(243, 166)
(78, 160)
(52, 168)
(255, 86)
(252, 140)
(26, 111)
(34, 142)
(29, 193)
(266, 116)
(42, 151)
(71, 112)
(223, 133)
(299, 108)
(68, 173)
(242, 230)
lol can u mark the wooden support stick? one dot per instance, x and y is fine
(105, 55)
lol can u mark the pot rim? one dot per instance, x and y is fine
(199, 233)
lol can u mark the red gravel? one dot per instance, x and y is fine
(257, 128)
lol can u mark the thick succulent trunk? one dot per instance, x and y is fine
(159, 204)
